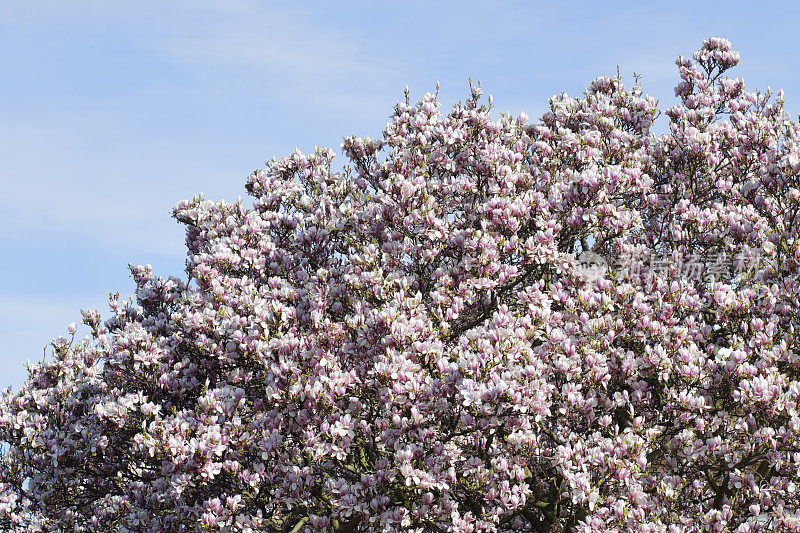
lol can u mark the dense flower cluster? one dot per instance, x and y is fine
(405, 344)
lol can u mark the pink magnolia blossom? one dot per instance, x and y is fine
(408, 341)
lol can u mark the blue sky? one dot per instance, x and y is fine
(111, 112)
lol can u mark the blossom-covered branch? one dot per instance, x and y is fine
(408, 342)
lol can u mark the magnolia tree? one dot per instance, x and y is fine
(417, 342)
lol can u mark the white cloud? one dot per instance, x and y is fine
(286, 46)
(85, 161)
